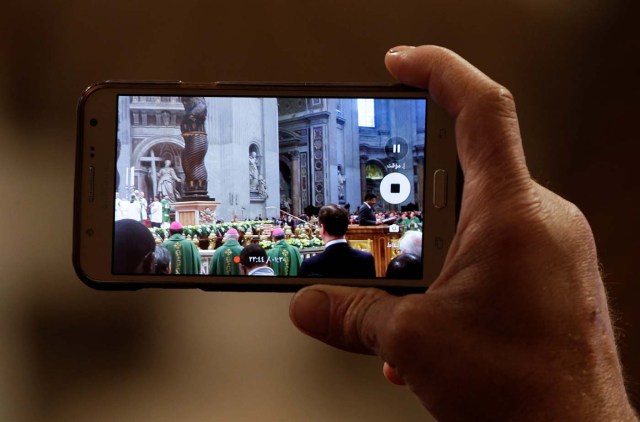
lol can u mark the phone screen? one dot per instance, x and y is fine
(283, 179)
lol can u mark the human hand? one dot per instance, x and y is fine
(517, 325)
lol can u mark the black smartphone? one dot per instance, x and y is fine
(210, 185)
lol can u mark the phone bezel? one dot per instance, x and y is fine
(95, 176)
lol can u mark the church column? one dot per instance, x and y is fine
(141, 174)
(295, 183)
(124, 137)
(363, 176)
(154, 182)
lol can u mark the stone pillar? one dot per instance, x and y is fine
(141, 172)
(319, 166)
(125, 148)
(295, 183)
(154, 173)
(363, 177)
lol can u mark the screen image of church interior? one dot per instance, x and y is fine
(262, 164)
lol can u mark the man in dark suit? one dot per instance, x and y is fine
(338, 259)
(366, 216)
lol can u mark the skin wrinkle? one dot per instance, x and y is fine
(483, 230)
(481, 149)
(367, 336)
(351, 317)
(340, 312)
(473, 221)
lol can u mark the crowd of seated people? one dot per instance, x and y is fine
(136, 252)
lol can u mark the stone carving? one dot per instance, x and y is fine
(285, 204)
(208, 216)
(342, 180)
(262, 187)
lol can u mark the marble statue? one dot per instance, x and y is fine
(167, 179)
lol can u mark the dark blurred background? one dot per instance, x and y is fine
(70, 353)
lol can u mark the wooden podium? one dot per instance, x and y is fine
(378, 241)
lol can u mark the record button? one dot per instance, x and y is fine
(395, 188)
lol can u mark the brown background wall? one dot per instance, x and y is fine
(70, 353)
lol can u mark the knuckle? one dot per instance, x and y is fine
(574, 222)
(499, 100)
(552, 223)
(501, 95)
(405, 326)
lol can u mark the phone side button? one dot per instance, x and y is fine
(440, 188)
(92, 178)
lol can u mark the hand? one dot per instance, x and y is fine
(516, 326)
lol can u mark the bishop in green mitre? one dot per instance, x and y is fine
(226, 259)
(285, 259)
(185, 256)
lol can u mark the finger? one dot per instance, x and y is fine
(352, 319)
(487, 132)
(391, 375)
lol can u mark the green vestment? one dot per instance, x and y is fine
(284, 258)
(224, 261)
(185, 256)
(166, 212)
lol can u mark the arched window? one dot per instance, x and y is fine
(366, 112)
(373, 172)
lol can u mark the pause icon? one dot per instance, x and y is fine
(396, 148)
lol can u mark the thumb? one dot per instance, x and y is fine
(487, 131)
(352, 319)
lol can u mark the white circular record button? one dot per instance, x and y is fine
(395, 188)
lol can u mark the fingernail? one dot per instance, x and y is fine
(311, 312)
(398, 49)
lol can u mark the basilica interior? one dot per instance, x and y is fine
(291, 154)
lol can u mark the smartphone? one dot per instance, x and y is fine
(175, 181)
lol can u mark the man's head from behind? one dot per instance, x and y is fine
(278, 234)
(231, 234)
(253, 256)
(405, 266)
(334, 221)
(163, 260)
(175, 228)
(411, 242)
(133, 247)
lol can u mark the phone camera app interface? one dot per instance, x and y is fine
(326, 187)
